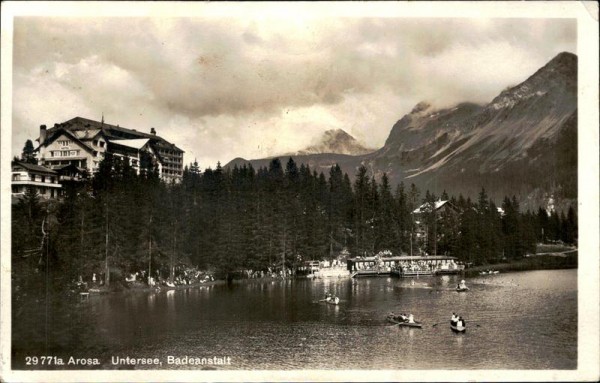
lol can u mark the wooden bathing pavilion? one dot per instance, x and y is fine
(403, 266)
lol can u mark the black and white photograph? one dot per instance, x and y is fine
(335, 191)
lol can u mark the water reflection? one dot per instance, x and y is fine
(281, 324)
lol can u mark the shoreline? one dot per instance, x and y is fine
(536, 262)
(554, 261)
(545, 261)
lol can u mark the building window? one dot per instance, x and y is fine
(95, 142)
(101, 144)
(43, 178)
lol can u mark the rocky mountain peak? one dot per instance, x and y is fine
(421, 107)
(336, 141)
(336, 135)
(559, 75)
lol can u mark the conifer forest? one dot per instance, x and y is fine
(226, 220)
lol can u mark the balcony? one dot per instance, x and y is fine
(36, 183)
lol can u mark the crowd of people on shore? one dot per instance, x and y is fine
(182, 277)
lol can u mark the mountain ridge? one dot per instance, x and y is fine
(522, 142)
(336, 141)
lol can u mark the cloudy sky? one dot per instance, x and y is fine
(256, 86)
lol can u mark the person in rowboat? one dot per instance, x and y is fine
(411, 319)
(454, 319)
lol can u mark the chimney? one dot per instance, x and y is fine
(42, 134)
(153, 131)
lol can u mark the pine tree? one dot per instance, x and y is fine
(570, 227)
(361, 208)
(28, 153)
(412, 204)
(385, 225)
(429, 219)
(542, 225)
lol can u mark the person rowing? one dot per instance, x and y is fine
(454, 319)
(411, 318)
(399, 317)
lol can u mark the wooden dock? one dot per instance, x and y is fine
(370, 273)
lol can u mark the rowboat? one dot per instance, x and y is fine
(489, 272)
(408, 324)
(461, 289)
(391, 319)
(334, 301)
(457, 328)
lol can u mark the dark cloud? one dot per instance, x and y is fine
(216, 74)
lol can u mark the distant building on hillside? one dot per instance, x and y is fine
(42, 180)
(83, 143)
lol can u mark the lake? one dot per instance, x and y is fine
(521, 320)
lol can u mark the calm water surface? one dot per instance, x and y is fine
(525, 320)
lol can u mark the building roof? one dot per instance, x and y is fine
(425, 207)
(86, 134)
(33, 167)
(69, 167)
(56, 132)
(404, 258)
(80, 124)
(137, 143)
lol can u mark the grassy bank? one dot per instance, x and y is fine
(537, 262)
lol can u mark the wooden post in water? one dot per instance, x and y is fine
(107, 272)
(149, 260)
(150, 250)
(283, 253)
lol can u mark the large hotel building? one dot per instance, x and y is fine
(84, 143)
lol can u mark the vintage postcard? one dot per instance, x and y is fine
(338, 191)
